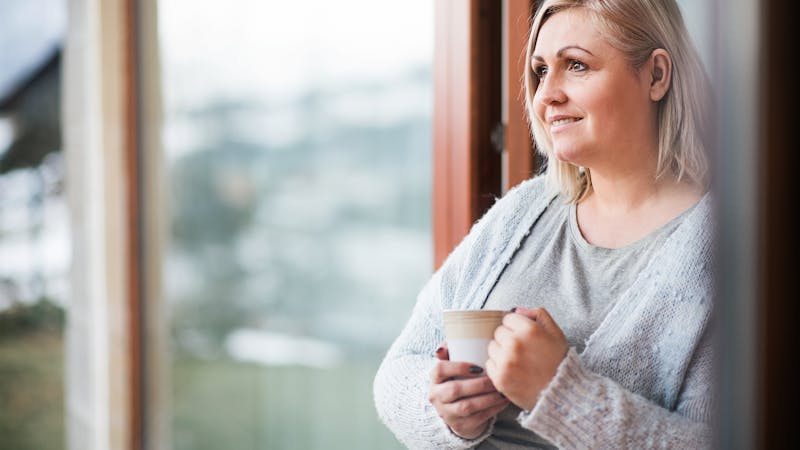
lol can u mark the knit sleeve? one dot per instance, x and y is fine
(580, 409)
(403, 380)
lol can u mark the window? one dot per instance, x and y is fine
(100, 70)
(297, 152)
(34, 229)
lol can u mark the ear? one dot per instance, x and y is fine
(660, 71)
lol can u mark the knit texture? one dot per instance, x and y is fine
(644, 379)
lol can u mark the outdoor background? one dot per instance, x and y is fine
(34, 231)
(298, 154)
(297, 151)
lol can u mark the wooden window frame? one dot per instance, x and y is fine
(105, 334)
(520, 159)
(482, 144)
(778, 232)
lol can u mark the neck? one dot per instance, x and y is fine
(626, 191)
(625, 179)
(639, 193)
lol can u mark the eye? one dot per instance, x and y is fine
(576, 66)
(540, 70)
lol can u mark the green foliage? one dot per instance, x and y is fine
(32, 388)
(21, 318)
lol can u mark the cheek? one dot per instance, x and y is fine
(626, 107)
(616, 117)
(537, 105)
(605, 111)
(538, 108)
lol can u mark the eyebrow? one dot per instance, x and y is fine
(561, 51)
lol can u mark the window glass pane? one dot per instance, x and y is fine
(297, 142)
(34, 231)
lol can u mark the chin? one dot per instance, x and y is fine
(567, 154)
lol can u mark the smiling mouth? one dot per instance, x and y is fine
(558, 122)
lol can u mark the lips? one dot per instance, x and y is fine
(559, 122)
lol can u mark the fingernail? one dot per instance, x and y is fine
(475, 370)
(439, 350)
(514, 309)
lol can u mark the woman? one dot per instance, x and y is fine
(605, 260)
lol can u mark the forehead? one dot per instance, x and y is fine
(571, 26)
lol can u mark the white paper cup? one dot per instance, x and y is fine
(469, 332)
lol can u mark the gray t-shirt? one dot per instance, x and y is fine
(577, 282)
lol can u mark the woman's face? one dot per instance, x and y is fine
(594, 107)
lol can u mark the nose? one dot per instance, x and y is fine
(550, 91)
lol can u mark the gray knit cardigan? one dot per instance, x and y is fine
(645, 378)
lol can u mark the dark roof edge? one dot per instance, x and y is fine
(24, 82)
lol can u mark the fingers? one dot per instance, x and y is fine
(505, 333)
(469, 417)
(492, 411)
(526, 331)
(527, 323)
(442, 352)
(455, 390)
(447, 370)
(464, 397)
(538, 315)
(478, 409)
(524, 355)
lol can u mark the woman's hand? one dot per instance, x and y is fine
(463, 396)
(525, 354)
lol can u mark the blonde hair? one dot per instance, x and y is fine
(636, 28)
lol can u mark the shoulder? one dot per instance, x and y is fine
(473, 264)
(497, 226)
(510, 218)
(699, 224)
(531, 193)
(531, 189)
(687, 261)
